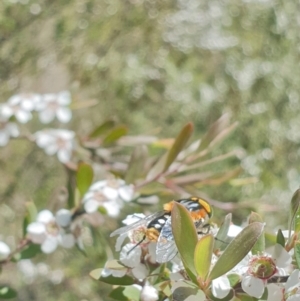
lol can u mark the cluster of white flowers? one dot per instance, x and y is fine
(108, 194)
(21, 106)
(50, 231)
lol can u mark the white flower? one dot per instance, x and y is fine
(7, 130)
(48, 232)
(108, 194)
(60, 142)
(263, 267)
(149, 293)
(20, 106)
(4, 250)
(130, 256)
(221, 287)
(52, 105)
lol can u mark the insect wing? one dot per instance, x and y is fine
(166, 248)
(142, 222)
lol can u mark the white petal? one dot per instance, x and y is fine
(151, 256)
(110, 193)
(221, 287)
(132, 218)
(67, 240)
(98, 185)
(51, 149)
(6, 111)
(45, 216)
(64, 114)
(49, 245)
(126, 193)
(234, 230)
(15, 99)
(4, 250)
(140, 271)
(63, 217)
(23, 116)
(91, 206)
(64, 155)
(149, 293)
(46, 116)
(133, 258)
(36, 232)
(281, 257)
(43, 139)
(253, 286)
(120, 240)
(293, 280)
(275, 292)
(150, 200)
(112, 208)
(119, 273)
(4, 138)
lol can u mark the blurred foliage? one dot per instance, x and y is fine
(154, 66)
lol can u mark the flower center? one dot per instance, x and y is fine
(262, 267)
(52, 228)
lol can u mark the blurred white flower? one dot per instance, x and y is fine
(108, 194)
(52, 105)
(149, 293)
(4, 250)
(7, 130)
(60, 142)
(20, 106)
(49, 232)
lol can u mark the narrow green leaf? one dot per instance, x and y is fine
(203, 255)
(294, 218)
(84, 177)
(186, 290)
(213, 131)
(115, 134)
(136, 164)
(129, 293)
(221, 237)
(185, 236)
(280, 238)
(297, 253)
(179, 143)
(125, 280)
(31, 251)
(30, 215)
(237, 250)
(234, 279)
(260, 244)
(157, 168)
(102, 129)
(71, 186)
(244, 297)
(7, 293)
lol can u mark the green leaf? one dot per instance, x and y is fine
(7, 293)
(243, 297)
(31, 251)
(115, 134)
(84, 177)
(179, 143)
(129, 293)
(221, 237)
(297, 253)
(102, 129)
(280, 238)
(136, 164)
(185, 236)
(203, 255)
(185, 289)
(30, 216)
(125, 280)
(71, 186)
(237, 250)
(294, 218)
(260, 244)
(234, 279)
(214, 130)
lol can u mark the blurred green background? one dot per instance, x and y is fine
(152, 65)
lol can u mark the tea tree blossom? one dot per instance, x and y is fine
(7, 130)
(55, 105)
(262, 267)
(60, 142)
(49, 232)
(108, 194)
(20, 106)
